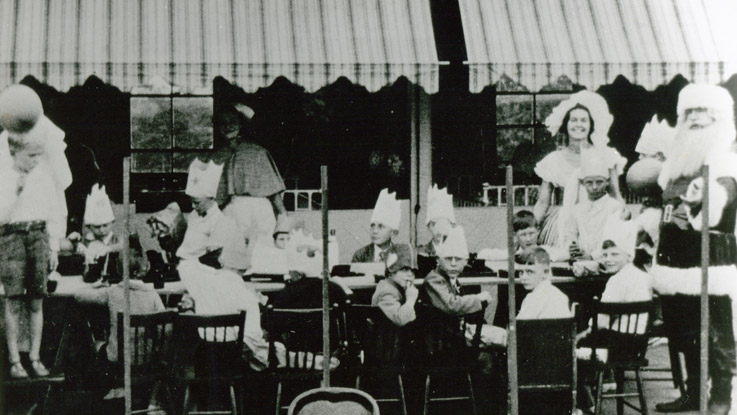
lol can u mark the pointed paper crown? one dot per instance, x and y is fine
(439, 205)
(399, 256)
(592, 164)
(622, 233)
(387, 210)
(203, 178)
(98, 210)
(598, 108)
(706, 96)
(454, 245)
(655, 137)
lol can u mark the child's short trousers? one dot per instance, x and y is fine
(24, 258)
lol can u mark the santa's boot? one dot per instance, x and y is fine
(720, 399)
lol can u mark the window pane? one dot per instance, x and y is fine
(192, 123)
(151, 163)
(513, 109)
(545, 104)
(150, 123)
(183, 160)
(508, 139)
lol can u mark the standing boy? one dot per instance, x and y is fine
(384, 226)
(31, 225)
(583, 231)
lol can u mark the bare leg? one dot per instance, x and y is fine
(12, 318)
(37, 325)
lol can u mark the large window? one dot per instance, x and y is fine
(520, 118)
(167, 132)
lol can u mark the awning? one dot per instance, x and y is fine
(189, 42)
(534, 42)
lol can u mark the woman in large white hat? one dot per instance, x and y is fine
(583, 121)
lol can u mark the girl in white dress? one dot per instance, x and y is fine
(583, 120)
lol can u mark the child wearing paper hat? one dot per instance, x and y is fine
(582, 232)
(99, 241)
(439, 220)
(385, 222)
(208, 230)
(441, 284)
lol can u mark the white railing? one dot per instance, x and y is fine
(302, 199)
(526, 195)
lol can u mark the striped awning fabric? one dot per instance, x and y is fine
(189, 42)
(534, 42)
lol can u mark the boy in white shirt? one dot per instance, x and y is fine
(31, 226)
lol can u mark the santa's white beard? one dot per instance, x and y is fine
(692, 149)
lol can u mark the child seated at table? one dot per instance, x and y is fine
(441, 284)
(544, 300)
(143, 300)
(100, 245)
(525, 238)
(583, 229)
(31, 226)
(396, 295)
(385, 222)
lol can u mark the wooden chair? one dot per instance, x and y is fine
(299, 331)
(332, 398)
(620, 345)
(446, 353)
(150, 340)
(675, 368)
(218, 344)
(380, 350)
(546, 356)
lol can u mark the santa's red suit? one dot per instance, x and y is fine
(705, 135)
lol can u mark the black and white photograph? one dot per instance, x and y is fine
(363, 207)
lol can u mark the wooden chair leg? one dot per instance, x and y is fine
(278, 398)
(401, 394)
(358, 382)
(676, 369)
(233, 405)
(619, 379)
(599, 387)
(471, 395)
(640, 393)
(186, 406)
(426, 404)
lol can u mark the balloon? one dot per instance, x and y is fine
(20, 109)
(642, 177)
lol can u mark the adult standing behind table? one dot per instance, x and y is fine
(583, 120)
(251, 187)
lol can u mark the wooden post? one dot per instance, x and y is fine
(126, 288)
(704, 373)
(511, 287)
(413, 162)
(325, 280)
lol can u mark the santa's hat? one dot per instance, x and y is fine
(234, 254)
(592, 164)
(20, 109)
(398, 257)
(706, 96)
(454, 245)
(203, 178)
(656, 137)
(439, 205)
(98, 210)
(622, 233)
(387, 210)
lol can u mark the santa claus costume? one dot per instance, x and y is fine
(705, 134)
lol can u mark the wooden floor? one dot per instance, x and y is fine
(656, 391)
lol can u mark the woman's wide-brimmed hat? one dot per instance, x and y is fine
(598, 109)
